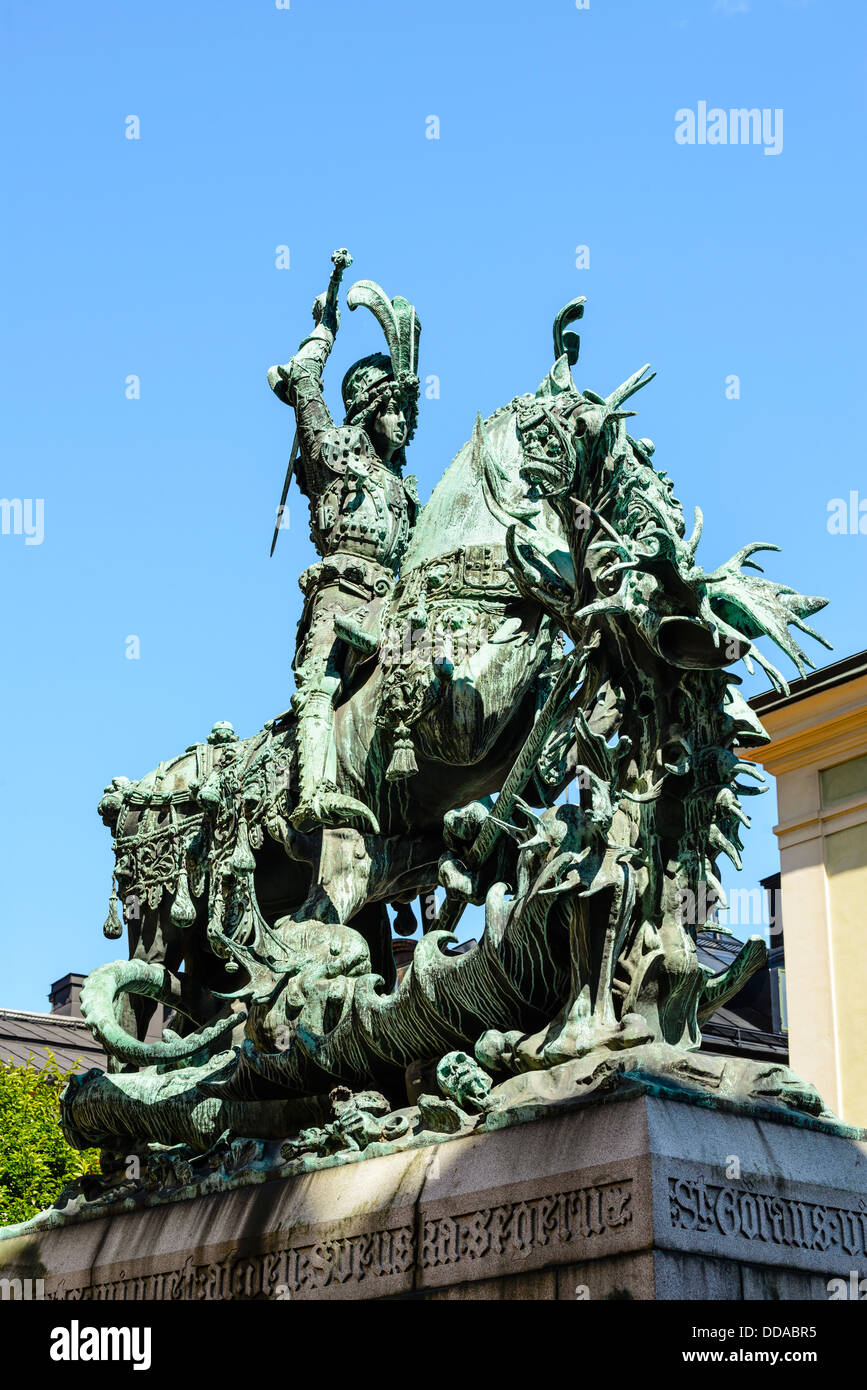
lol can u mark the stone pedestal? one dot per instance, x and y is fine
(639, 1196)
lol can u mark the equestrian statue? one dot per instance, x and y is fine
(519, 696)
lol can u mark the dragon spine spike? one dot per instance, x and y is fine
(698, 526)
(629, 387)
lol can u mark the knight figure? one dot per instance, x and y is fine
(362, 511)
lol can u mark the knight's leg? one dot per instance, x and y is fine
(314, 706)
(318, 673)
(319, 801)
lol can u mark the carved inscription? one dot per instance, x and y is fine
(518, 1228)
(523, 1227)
(698, 1205)
(278, 1274)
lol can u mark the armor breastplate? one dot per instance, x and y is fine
(363, 508)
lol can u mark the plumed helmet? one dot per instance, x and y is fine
(372, 378)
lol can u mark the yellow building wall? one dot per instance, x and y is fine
(846, 868)
(818, 755)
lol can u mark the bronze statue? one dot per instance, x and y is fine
(361, 513)
(586, 647)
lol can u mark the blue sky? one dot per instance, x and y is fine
(305, 127)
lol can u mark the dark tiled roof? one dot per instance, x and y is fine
(24, 1035)
(743, 1026)
(825, 678)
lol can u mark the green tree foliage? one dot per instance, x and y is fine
(35, 1159)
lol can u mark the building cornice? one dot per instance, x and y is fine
(826, 678)
(826, 726)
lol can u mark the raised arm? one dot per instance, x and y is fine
(299, 382)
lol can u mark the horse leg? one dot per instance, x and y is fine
(342, 869)
(152, 938)
(355, 874)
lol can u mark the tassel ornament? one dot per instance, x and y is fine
(183, 913)
(403, 763)
(112, 927)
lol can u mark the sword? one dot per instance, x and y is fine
(324, 308)
(285, 493)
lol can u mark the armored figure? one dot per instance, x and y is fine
(362, 511)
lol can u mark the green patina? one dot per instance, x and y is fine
(542, 623)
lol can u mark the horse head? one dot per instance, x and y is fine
(619, 548)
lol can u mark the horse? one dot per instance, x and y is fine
(464, 663)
